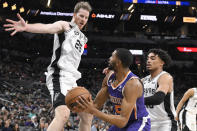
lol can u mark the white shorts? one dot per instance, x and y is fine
(63, 84)
(58, 87)
(171, 125)
(187, 120)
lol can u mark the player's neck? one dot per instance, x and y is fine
(155, 73)
(120, 74)
(73, 23)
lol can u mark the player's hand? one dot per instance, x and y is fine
(15, 26)
(106, 71)
(86, 105)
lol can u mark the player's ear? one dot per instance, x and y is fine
(119, 62)
(74, 14)
(162, 62)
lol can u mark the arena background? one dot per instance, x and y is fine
(133, 24)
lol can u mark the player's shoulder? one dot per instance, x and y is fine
(134, 81)
(64, 24)
(165, 76)
(134, 85)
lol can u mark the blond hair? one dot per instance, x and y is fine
(83, 5)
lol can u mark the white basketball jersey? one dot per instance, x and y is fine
(67, 50)
(165, 111)
(192, 103)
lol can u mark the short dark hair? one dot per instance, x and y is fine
(163, 55)
(125, 56)
(83, 5)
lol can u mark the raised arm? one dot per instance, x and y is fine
(165, 83)
(20, 26)
(103, 94)
(186, 96)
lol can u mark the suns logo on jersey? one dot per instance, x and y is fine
(115, 100)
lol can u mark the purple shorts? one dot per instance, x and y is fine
(138, 125)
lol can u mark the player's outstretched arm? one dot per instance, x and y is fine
(20, 26)
(132, 90)
(189, 93)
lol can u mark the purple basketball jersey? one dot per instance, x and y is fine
(116, 96)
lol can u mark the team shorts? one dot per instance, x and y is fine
(58, 87)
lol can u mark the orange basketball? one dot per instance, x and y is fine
(73, 95)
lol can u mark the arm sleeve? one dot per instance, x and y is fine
(156, 99)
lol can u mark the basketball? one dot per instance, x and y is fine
(73, 95)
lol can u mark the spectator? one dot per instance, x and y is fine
(16, 127)
(95, 126)
(7, 126)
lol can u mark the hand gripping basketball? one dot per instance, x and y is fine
(74, 95)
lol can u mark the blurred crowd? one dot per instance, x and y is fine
(25, 102)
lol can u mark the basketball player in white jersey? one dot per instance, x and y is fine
(63, 71)
(188, 115)
(158, 92)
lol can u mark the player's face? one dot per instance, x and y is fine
(112, 61)
(153, 62)
(81, 17)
